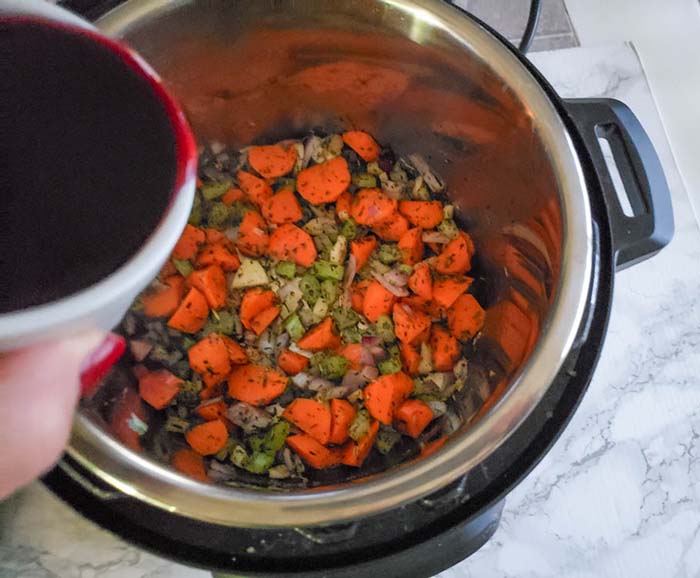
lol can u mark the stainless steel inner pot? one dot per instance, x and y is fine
(427, 79)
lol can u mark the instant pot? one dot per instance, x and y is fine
(534, 189)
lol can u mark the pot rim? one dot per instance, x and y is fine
(162, 487)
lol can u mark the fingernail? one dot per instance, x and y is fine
(100, 361)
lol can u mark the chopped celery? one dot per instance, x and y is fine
(449, 228)
(183, 266)
(349, 229)
(420, 191)
(311, 288)
(448, 211)
(219, 215)
(389, 366)
(365, 181)
(225, 324)
(188, 342)
(294, 327)
(239, 457)
(259, 463)
(333, 366)
(327, 270)
(196, 212)
(286, 269)
(339, 250)
(225, 452)
(320, 310)
(211, 191)
(351, 335)
(406, 269)
(389, 254)
(386, 440)
(385, 329)
(373, 168)
(272, 440)
(360, 425)
(345, 317)
(176, 425)
(329, 291)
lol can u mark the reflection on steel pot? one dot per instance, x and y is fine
(526, 170)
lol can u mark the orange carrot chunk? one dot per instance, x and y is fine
(190, 463)
(446, 291)
(423, 214)
(384, 395)
(343, 206)
(254, 302)
(357, 295)
(236, 354)
(393, 228)
(353, 352)
(444, 348)
(311, 417)
(410, 358)
(208, 438)
(320, 337)
(212, 409)
(313, 453)
(232, 195)
(282, 207)
(163, 302)
(354, 454)
(413, 416)
(363, 144)
(292, 363)
(421, 281)
(371, 206)
(219, 254)
(253, 239)
(290, 243)
(210, 358)
(159, 388)
(255, 188)
(212, 283)
(272, 161)
(325, 182)
(256, 384)
(362, 249)
(465, 318)
(342, 414)
(189, 243)
(411, 246)
(192, 313)
(409, 324)
(378, 301)
(455, 258)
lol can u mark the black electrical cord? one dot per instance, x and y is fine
(531, 27)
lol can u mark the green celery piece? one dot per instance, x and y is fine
(211, 191)
(183, 266)
(294, 327)
(327, 270)
(286, 269)
(311, 288)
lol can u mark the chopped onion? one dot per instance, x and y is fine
(231, 234)
(378, 353)
(266, 345)
(296, 349)
(248, 417)
(219, 472)
(437, 407)
(320, 384)
(301, 379)
(282, 340)
(435, 237)
(430, 179)
(140, 349)
(350, 271)
(370, 372)
(397, 278)
(370, 340)
(312, 145)
(393, 289)
(366, 357)
(391, 189)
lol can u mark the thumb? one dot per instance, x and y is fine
(39, 388)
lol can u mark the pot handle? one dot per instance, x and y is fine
(649, 228)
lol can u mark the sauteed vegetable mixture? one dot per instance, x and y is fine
(315, 311)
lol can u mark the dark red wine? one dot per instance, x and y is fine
(87, 162)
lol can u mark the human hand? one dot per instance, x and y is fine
(39, 389)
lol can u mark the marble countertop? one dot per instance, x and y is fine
(618, 495)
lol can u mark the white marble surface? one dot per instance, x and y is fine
(619, 494)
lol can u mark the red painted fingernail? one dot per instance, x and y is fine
(100, 361)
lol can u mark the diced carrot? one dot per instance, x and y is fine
(210, 358)
(343, 205)
(430, 448)
(208, 438)
(378, 301)
(455, 258)
(325, 182)
(447, 290)
(264, 319)
(410, 358)
(355, 453)
(236, 354)
(362, 249)
(357, 295)
(421, 281)
(393, 229)
(313, 453)
(190, 463)
(290, 243)
(413, 416)
(444, 349)
(384, 395)
(253, 239)
(465, 318)
(214, 236)
(164, 302)
(292, 363)
(342, 414)
(219, 254)
(254, 302)
(192, 313)
(232, 195)
(127, 404)
(411, 246)
(371, 206)
(282, 207)
(256, 384)
(167, 270)
(353, 353)
(190, 241)
(320, 337)
(409, 324)
(212, 409)
(363, 144)
(311, 417)
(212, 391)
(423, 214)
(211, 281)
(159, 388)
(255, 188)
(272, 161)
